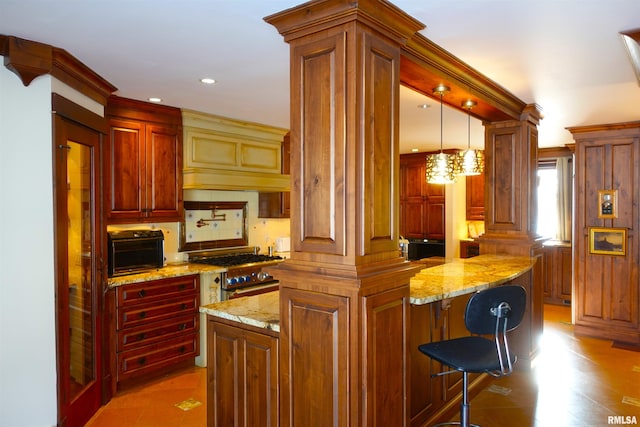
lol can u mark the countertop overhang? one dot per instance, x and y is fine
(455, 277)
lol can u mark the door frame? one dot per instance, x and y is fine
(67, 117)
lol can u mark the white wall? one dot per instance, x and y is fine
(27, 307)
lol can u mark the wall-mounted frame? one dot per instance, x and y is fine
(608, 241)
(607, 204)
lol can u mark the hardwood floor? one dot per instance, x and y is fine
(578, 382)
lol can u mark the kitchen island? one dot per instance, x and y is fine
(243, 341)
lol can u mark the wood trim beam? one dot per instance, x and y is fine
(29, 59)
(424, 65)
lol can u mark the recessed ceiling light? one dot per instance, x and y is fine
(424, 106)
(156, 100)
(208, 81)
(414, 150)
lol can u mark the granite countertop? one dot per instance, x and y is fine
(455, 277)
(174, 270)
(462, 276)
(262, 311)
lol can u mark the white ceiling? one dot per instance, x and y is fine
(564, 55)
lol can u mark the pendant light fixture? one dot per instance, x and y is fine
(440, 167)
(469, 162)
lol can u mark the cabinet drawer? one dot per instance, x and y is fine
(158, 331)
(146, 313)
(156, 356)
(157, 290)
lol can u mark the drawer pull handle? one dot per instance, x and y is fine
(142, 293)
(143, 314)
(141, 337)
(183, 306)
(142, 361)
(182, 287)
(182, 327)
(182, 349)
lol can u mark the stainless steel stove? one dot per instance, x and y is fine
(245, 271)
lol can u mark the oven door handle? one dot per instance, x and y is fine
(253, 290)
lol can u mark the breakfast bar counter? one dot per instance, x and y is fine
(243, 339)
(454, 278)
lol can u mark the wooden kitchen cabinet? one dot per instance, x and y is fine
(143, 162)
(607, 286)
(244, 387)
(475, 197)
(469, 248)
(557, 274)
(422, 205)
(277, 205)
(157, 326)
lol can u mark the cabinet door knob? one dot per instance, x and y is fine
(183, 306)
(182, 287)
(182, 327)
(143, 314)
(142, 361)
(142, 293)
(182, 349)
(141, 337)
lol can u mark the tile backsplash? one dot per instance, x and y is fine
(262, 232)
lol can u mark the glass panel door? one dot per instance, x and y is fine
(79, 267)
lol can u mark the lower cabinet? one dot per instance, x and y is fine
(242, 388)
(558, 266)
(157, 326)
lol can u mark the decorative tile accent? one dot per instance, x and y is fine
(634, 401)
(188, 404)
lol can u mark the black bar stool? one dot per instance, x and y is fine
(494, 311)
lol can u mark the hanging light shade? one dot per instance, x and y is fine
(440, 168)
(469, 162)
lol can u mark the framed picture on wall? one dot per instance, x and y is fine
(608, 241)
(607, 204)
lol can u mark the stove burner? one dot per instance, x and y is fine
(233, 260)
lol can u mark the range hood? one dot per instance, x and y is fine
(227, 154)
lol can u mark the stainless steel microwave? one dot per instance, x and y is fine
(134, 251)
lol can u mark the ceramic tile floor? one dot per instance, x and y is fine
(578, 382)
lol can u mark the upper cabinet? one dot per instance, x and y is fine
(143, 162)
(422, 205)
(475, 198)
(277, 205)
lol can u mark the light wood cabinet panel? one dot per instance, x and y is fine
(277, 205)
(143, 162)
(607, 287)
(243, 389)
(558, 265)
(475, 197)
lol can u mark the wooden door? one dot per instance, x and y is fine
(125, 170)
(163, 180)
(78, 249)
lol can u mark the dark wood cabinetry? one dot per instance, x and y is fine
(469, 248)
(243, 389)
(143, 162)
(157, 326)
(557, 274)
(277, 205)
(607, 287)
(422, 205)
(475, 197)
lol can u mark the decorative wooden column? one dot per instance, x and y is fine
(511, 208)
(344, 295)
